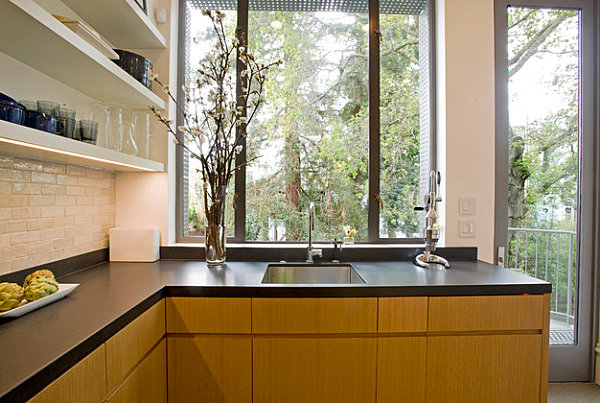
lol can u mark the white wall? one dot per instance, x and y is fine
(466, 117)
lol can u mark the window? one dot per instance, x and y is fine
(346, 122)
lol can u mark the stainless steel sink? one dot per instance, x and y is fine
(298, 273)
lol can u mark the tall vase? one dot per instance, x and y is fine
(215, 234)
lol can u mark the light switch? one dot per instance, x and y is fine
(467, 206)
(466, 228)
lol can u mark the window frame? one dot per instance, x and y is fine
(373, 131)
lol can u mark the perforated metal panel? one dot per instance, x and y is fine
(347, 6)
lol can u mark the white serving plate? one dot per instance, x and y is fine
(26, 307)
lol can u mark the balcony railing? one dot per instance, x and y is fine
(549, 255)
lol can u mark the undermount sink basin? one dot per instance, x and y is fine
(298, 273)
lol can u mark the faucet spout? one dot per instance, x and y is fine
(310, 251)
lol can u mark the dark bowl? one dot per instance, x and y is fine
(13, 113)
(137, 66)
(5, 98)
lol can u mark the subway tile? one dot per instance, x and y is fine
(24, 237)
(40, 223)
(14, 175)
(27, 165)
(52, 256)
(75, 190)
(53, 233)
(64, 221)
(11, 200)
(50, 167)
(35, 201)
(85, 201)
(39, 247)
(63, 243)
(53, 189)
(23, 213)
(25, 262)
(83, 219)
(61, 179)
(6, 161)
(5, 266)
(43, 177)
(27, 188)
(75, 170)
(5, 187)
(53, 211)
(11, 252)
(4, 214)
(10, 227)
(65, 200)
(4, 241)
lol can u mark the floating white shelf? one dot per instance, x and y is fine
(120, 21)
(30, 34)
(28, 142)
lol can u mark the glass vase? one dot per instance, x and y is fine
(215, 234)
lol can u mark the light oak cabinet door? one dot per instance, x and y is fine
(126, 349)
(208, 315)
(210, 369)
(332, 370)
(484, 368)
(84, 383)
(401, 369)
(148, 382)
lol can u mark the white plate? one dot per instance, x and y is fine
(26, 307)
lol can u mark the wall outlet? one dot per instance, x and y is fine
(467, 206)
(466, 229)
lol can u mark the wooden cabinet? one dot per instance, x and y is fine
(208, 315)
(129, 346)
(148, 382)
(211, 369)
(484, 368)
(402, 314)
(314, 370)
(401, 369)
(84, 383)
(314, 315)
(485, 313)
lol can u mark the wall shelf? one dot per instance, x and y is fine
(30, 34)
(120, 21)
(28, 142)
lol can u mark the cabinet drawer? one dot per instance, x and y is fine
(84, 383)
(209, 369)
(148, 382)
(402, 314)
(126, 349)
(208, 315)
(300, 370)
(314, 315)
(480, 313)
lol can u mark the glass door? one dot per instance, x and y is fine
(545, 189)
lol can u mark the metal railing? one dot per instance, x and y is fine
(547, 255)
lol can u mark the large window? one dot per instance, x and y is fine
(346, 122)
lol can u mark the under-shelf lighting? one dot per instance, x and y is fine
(72, 154)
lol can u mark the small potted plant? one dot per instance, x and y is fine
(349, 233)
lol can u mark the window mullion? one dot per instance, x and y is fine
(374, 157)
(240, 159)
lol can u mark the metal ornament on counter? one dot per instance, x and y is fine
(432, 228)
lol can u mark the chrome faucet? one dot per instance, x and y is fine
(310, 251)
(432, 228)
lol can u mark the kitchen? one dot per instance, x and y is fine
(112, 197)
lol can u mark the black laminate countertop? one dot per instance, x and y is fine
(38, 347)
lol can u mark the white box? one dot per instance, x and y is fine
(134, 244)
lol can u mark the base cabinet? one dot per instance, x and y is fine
(148, 382)
(401, 369)
(484, 368)
(210, 369)
(314, 370)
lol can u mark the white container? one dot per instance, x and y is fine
(134, 244)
